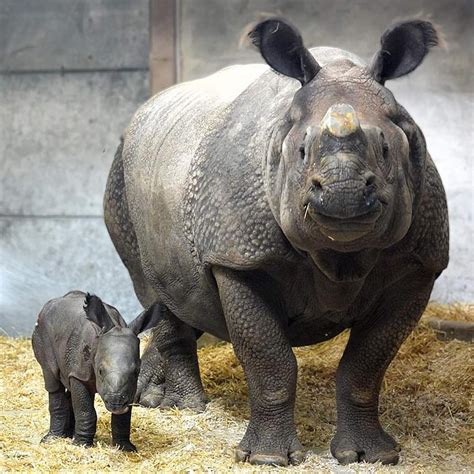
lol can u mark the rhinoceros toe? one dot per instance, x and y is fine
(373, 446)
(196, 403)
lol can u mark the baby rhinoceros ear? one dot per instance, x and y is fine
(404, 45)
(147, 319)
(96, 312)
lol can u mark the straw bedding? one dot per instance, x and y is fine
(426, 404)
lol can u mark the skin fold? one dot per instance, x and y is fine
(276, 207)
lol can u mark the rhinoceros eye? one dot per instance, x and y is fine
(383, 158)
(385, 147)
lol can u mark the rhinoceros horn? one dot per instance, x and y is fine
(340, 121)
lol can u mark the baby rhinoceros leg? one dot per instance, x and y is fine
(84, 414)
(60, 406)
(121, 431)
(61, 415)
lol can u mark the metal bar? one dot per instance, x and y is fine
(162, 58)
(447, 329)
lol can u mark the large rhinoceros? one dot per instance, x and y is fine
(276, 210)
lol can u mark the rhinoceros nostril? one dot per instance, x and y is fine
(369, 193)
(370, 180)
(315, 184)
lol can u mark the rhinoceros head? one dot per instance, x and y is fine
(117, 360)
(347, 162)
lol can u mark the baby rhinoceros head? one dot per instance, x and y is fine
(116, 361)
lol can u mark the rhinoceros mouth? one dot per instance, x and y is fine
(343, 229)
(345, 235)
(117, 410)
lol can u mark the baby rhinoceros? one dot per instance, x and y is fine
(84, 346)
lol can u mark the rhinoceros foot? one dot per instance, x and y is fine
(365, 446)
(159, 396)
(279, 448)
(152, 395)
(194, 401)
(50, 436)
(85, 442)
(126, 446)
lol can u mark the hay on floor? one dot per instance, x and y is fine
(425, 404)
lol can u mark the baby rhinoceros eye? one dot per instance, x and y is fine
(302, 148)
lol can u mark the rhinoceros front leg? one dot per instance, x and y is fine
(61, 415)
(121, 431)
(372, 345)
(270, 368)
(84, 413)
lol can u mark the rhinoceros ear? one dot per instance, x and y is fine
(282, 47)
(403, 47)
(147, 319)
(96, 312)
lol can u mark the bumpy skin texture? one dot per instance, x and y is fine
(213, 180)
(151, 381)
(156, 373)
(170, 377)
(65, 344)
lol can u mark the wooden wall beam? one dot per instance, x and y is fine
(163, 36)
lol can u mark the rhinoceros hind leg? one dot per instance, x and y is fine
(171, 359)
(152, 395)
(151, 381)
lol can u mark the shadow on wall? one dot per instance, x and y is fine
(27, 282)
(22, 287)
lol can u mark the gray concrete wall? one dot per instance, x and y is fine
(72, 72)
